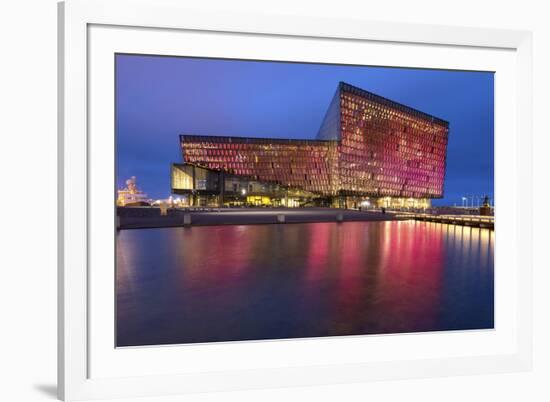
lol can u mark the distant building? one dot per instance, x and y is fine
(131, 195)
(369, 151)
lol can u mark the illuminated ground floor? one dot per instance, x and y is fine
(198, 199)
(196, 186)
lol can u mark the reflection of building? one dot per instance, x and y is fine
(131, 195)
(367, 149)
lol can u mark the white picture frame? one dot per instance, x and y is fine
(78, 337)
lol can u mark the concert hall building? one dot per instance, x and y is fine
(369, 151)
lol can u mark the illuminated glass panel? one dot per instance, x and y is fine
(299, 164)
(368, 145)
(388, 149)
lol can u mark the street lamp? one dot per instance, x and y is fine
(464, 199)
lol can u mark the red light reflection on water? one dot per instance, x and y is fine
(410, 277)
(217, 283)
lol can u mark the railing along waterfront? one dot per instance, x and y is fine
(481, 221)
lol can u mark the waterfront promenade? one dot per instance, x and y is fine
(145, 217)
(480, 221)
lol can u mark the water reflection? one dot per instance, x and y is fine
(221, 283)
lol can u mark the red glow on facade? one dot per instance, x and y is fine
(367, 146)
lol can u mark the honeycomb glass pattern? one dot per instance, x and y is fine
(368, 146)
(301, 164)
(388, 149)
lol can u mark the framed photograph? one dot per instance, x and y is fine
(253, 201)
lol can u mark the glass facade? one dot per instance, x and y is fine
(302, 164)
(367, 146)
(388, 149)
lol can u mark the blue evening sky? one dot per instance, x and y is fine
(159, 98)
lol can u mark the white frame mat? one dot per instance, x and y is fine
(89, 367)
